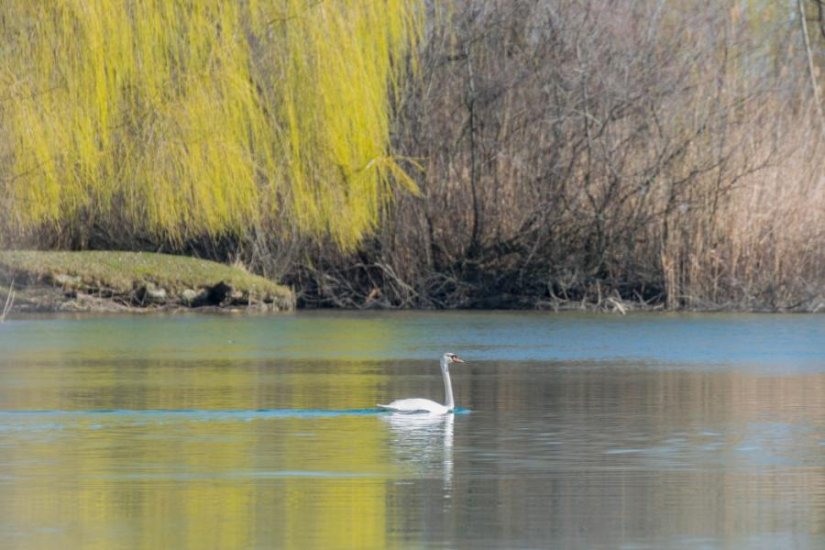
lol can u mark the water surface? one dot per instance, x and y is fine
(576, 431)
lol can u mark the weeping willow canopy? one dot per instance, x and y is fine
(192, 117)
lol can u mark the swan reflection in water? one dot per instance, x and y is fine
(424, 442)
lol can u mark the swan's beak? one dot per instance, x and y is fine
(457, 359)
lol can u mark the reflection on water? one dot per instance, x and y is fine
(133, 432)
(425, 442)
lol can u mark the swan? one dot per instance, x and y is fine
(418, 405)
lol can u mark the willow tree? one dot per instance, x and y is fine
(183, 118)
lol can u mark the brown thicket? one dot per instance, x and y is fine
(597, 154)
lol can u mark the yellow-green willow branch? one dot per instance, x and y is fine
(208, 117)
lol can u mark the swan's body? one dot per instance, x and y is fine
(418, 405)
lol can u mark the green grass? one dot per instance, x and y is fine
(120, 273)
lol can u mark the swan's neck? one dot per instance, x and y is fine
(448, 386)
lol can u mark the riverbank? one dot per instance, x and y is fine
(45, 281)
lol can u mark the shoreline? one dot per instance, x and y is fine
(46, 300)
(113, 282)
(140, 282)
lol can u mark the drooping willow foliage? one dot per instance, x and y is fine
(180, 118)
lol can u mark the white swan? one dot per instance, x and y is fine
(418, 405)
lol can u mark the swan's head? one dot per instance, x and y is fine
(451, 358)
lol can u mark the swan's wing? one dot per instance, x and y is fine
(410, 406)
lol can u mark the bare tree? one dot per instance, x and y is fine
(576, 152)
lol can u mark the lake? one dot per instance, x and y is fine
(574, 431)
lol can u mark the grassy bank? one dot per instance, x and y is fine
(103, 280)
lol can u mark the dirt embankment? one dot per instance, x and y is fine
(122, 281)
